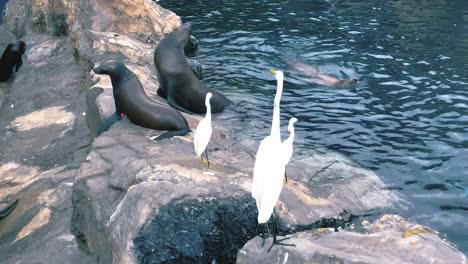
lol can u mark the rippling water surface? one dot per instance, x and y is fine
(407, 117)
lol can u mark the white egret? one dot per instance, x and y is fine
(203, 133)
(288, 144)
(269, 167)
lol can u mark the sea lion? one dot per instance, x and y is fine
(178, 83)
(132, 101)
(11, 58)
(319, 77)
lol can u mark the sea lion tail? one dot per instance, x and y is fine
(5, 212)
(108, 123)
(180, 132)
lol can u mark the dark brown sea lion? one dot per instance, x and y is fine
(178, 83)
(132, 101)
(11, 58)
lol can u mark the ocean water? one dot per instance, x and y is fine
(2, 9)
(406, 119)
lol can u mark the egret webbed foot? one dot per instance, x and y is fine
(277, 242)
(207, 161)
(275, 231)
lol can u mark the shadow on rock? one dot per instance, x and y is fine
(198, 231)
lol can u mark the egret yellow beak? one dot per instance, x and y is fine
(272, 71)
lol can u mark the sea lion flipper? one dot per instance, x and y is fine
(108, 123)
(5, 212)
(18, 65)
(180, 132)
(177, 106)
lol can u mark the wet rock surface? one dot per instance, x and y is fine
(44, 140)
(390, 239)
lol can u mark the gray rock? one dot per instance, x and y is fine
(389, 239)
(139, 19)
(45, 138)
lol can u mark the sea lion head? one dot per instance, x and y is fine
(183, 33)
(115, 69)
(111, 68)
(346, 82)
(20, 46)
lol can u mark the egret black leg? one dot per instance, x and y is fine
(285, 176)
(207, 160)
(265, 233)
(275, 230)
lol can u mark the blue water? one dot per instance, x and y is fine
(407, 117)
(2, 8)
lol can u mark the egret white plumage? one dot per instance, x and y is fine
(203, 133)
(288, 144)
(269, 165)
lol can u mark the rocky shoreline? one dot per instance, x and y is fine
(128, 199)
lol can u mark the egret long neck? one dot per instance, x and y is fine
(275, 124)
(208, 109)
(291, 133)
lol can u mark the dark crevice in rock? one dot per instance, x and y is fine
(323, 169)
(117, 188)
(345, 219)
(198, 231)
(59, 24)
(75, 227)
